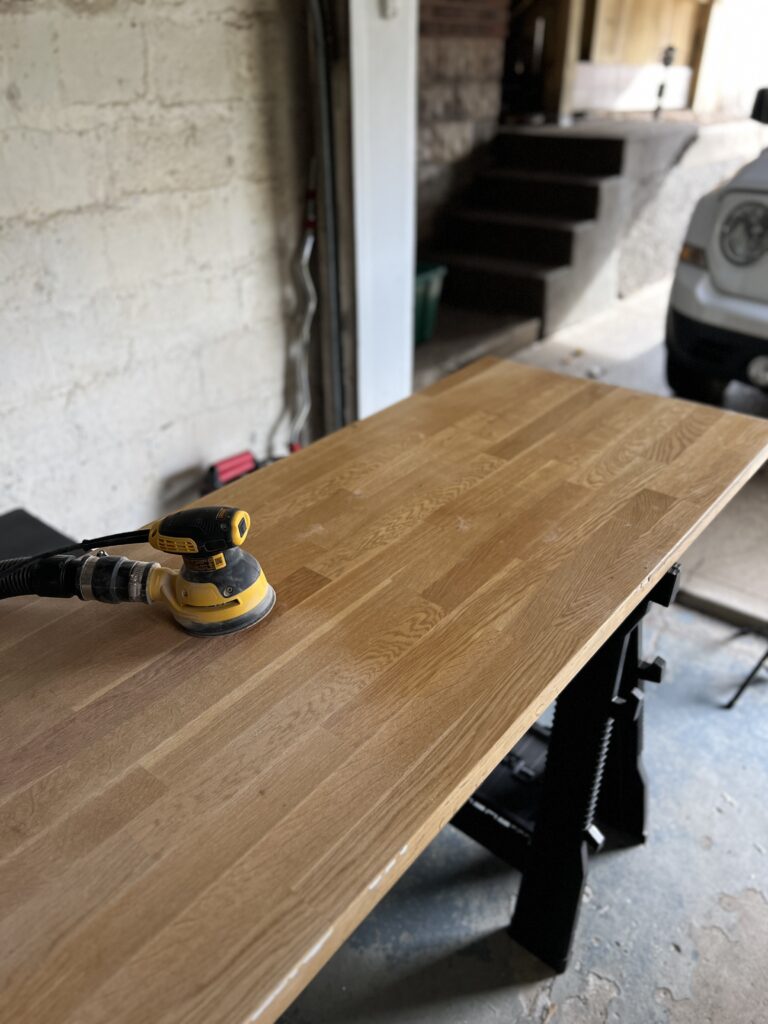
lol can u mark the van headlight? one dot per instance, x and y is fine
(744, 235)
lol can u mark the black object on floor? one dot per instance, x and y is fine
(24, 534)
(544, 807)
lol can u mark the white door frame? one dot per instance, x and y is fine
(383, 70)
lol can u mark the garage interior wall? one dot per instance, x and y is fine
(152, 162)
(622, 49)
(736, 40)
(461, 63)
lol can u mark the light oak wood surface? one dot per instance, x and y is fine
(189, 828)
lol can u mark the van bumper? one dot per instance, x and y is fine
(714, 352)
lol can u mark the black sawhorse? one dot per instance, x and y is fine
(545, 807)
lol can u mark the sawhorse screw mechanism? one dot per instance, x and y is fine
(549, 802)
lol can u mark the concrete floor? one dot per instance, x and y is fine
(625, 346)
(674, 932)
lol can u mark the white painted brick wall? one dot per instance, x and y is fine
(151, 187)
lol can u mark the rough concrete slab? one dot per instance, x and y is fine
(673, 932)
(603, 345)
(724, 952)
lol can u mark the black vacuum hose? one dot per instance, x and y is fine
(47, 576)
(108, 578)
(16, 577)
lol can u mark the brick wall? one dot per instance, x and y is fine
(151, 163)
(461, 62)
(472, 19)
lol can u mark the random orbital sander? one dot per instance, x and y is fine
(219, 589)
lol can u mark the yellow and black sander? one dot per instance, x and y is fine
(219, 589)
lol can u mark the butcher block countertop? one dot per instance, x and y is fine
(189, 828)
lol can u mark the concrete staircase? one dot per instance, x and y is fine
(535, 232)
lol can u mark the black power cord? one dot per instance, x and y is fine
(12, 565)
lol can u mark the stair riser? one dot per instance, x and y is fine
(493, 238)
(563, 155)
(479, 289)
(571, 201)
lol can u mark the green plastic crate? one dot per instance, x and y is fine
(429, 287)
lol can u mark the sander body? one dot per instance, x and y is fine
(219, 589)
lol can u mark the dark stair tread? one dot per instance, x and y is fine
(580, 153)
(547, 177)
(603, 141)
(493, 265)
(558, 132)
(526, 220)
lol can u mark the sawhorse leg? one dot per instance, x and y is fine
(553, 881)
(606, 694)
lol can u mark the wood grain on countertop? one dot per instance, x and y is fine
(189, 828)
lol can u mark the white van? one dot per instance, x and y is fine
(717, 326)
